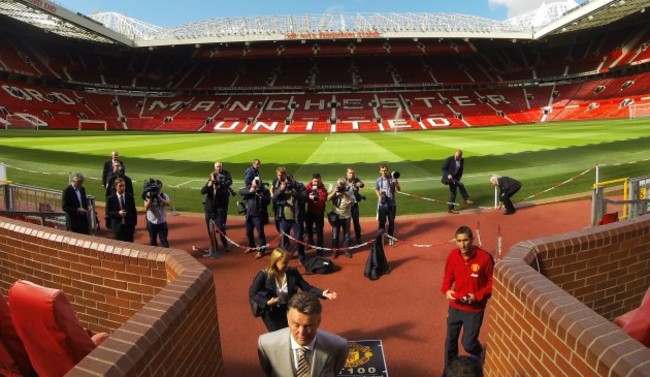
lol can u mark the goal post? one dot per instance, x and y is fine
(639, 110)
(24, 121)
(92, 124)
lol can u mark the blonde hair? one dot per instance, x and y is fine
(276, 255)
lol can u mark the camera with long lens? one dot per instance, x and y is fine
(395, 174)
(151, 189)
(342, 187)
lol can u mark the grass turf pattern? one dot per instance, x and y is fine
(539, 155)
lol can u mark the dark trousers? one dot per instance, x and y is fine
(355, 222)
(315, 222)
(275, 318)
(471, 323)
(387, 213)
(124, 232)
(454, 186)
(286, 226)
(341, 226)
(158, 231)
(505, 198)
(253, 223)
(219, 217)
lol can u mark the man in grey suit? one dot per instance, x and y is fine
(302, 350)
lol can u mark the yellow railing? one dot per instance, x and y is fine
(625, 182)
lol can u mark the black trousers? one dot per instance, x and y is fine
(454, 186)
(253, 223)
(275, 318)
(387, 213)
(219, 217)
(286, 226)
(355, 222)
(507, 202)
(471, 323)
(314, 223)
(158, 231)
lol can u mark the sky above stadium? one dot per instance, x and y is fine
(173, 13)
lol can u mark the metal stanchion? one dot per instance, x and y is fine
(174, 213)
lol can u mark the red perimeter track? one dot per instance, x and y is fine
(405, 309)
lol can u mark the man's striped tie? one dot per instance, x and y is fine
(303, 363)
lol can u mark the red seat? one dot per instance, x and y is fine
(608, 218)
(44, 319)
(13, 357)
(636, 323)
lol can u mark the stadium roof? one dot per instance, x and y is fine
(553, 18)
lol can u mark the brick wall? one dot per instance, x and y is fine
(556, 322)
(158, 304)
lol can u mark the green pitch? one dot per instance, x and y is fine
(541, 156)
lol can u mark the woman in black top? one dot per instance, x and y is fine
(273, 287)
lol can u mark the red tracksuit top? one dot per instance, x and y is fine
(473, 275)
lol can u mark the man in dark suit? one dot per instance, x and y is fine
(108, 168)
(75, 205)
(452, 172)
(120, 208)
(507, 188)
(302, 350)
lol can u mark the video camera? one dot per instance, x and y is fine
(151, 188)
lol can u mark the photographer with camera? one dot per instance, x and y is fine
(342, 207)
(155, 202)
(289, 198)
(217, 193)
(386, 186)
(452, 172)
(315, 217)
(354, 184)
(256, 200)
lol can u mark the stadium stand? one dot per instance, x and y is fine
(310, 85)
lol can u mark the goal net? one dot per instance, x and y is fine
(639, 110)
(25, 121)
(90, 124)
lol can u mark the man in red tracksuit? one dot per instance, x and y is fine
(467, 284)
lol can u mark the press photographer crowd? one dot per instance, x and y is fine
(299, 209)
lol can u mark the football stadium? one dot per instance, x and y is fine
(556, 99)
